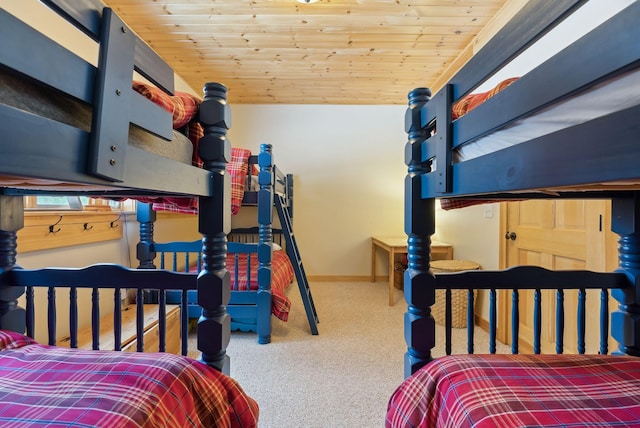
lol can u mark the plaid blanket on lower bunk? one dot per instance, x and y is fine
(60, 387)
(281, 278)
(520, 390)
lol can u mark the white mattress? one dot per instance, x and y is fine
(615, 95)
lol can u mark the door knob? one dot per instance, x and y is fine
(510, 235)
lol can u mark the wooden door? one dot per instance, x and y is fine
(559, 235)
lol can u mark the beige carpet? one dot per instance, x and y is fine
(341, 378)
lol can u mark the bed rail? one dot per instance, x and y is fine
(98, 153)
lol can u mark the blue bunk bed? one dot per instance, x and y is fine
(70, 127)
(250, 309)
(594, 156)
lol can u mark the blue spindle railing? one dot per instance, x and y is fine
(559, 321)
(95, 319)
(492, 321)
(73, 317)
(162, 321)
(51, 315)
(117, 319)
(604, 322)
(447, 321)
(581, 321)
(140, 322)
(471, 321)
(537, 320)
(30, 312)
(515, 321)
(184, 321)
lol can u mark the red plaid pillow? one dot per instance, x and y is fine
(472, 101)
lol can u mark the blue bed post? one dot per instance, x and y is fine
(145, 252)
(419, 282)
(265, 249)
(625, 321)
(214, 223)
(12, 317)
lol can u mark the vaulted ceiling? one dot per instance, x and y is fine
(328, 52)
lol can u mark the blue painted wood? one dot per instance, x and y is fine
(604, 322)
(184, 322)
(625, 221)
(73, 317)
(12, 316)
(95, 319)
(30, 312)
(515, 321)
(293, 252)
(471, 321)
(527, 26)
(492, 321)
(117, 320)
(112, 99)
(581, 321)
(559, 322)
(162, 321)
(214, 223)
(51, 315)
(447, 321)
(419, 225)
(537, 320)
(140, 324)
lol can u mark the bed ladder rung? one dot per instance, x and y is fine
(296, 260)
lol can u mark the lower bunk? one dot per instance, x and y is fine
(83, 376)
(564, 383)
(252, 301)
(56, 386)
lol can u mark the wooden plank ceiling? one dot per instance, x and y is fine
(329, 52)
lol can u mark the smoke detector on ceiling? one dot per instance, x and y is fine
(307, 1)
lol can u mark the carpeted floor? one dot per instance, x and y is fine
(341, 378)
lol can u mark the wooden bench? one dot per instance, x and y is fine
(129, 341)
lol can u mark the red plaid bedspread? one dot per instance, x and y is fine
(61, 387)
(520, 390)
(281, 277)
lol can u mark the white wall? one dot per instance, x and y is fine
(348, 163)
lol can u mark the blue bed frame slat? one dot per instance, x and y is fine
(86, 16)
(535, 18)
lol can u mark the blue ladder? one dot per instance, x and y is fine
(296, 260)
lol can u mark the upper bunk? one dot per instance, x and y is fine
(569, 127)
(69, 125)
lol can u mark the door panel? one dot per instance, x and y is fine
(559, 235)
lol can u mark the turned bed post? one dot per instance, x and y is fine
(12, 317)
(419, 282)
(265, 240)
(214, 223)
(625, 321)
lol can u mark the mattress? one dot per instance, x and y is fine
(608, 97)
